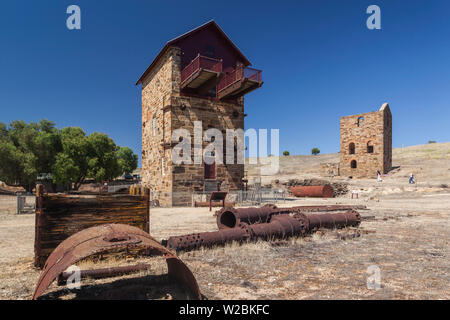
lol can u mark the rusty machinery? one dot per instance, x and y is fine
(231, 217)
(264, 223)
(106, 238)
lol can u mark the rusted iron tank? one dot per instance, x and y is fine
(106, 238)
(325, 191)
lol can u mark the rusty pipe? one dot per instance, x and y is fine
(332, 220)
(208, 239)
(280, 227)
(103, 272)
(231, 217)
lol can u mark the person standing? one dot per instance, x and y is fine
(411, 179)
(379, 176)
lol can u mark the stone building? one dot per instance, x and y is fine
(198, 76)
(366, 143)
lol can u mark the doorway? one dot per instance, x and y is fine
(210, 169)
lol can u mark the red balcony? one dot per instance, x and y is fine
(202, 74)
(239, 82)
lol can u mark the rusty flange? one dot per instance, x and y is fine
(103, 238)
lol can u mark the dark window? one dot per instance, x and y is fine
(351, 148)
(369, 147)
(353, 164)
(209, 51)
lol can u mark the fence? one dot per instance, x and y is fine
(241, 197)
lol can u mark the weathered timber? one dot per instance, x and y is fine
(59, 216)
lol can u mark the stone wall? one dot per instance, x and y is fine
(188, 178)
(157, 88)
(366, 142)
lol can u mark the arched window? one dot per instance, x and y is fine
(353, 164)
(351, 148)
(370, 147)
(360, 121)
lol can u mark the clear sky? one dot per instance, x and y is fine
(319, 62)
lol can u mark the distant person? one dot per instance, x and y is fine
(411, 179)
(379, 176)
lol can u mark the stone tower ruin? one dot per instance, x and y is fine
(200, 76)
(366, 143)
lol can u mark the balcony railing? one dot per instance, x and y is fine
(238, 74)
(199, 63)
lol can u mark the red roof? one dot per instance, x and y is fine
(173, 42)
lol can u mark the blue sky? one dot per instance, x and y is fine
(318, 58)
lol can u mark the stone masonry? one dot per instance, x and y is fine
(366, 143)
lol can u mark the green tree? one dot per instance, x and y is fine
(30, 149)
(128, 161)
(26, 151)
(95, 156)
(286, 153)
(3, 131)
(103, 161)
(72, 163)
(315, 151)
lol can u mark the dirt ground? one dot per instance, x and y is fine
(405, 233)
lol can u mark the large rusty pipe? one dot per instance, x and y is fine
(207, 239)
(280, 227)
(325, 191)
(231, 217)
(333, 220)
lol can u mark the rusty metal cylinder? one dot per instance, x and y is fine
(104, 272)
(334, 220)
(232, 217)
(325, 191)
(280, 227)
(207, 239)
